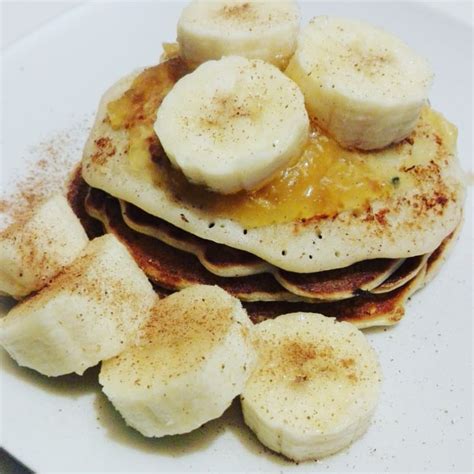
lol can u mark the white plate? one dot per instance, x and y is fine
(53, 79)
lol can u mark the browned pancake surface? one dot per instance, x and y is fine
(174, 269)
(218, 255)
(76, 195)
(340, 283)
(408, 270)
(365, 310)
(438, 257)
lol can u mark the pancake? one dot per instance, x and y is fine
(414, 211)
(365, 310)
(368, 309)
(224, 261)
(77, 191)
(439, 256)
(218, 259)
(175, 269)
(341, 283)
(407, 271)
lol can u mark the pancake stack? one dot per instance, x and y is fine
(357, 251)
(367, 293)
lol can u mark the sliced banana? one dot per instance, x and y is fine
(254, 29)
(194, 357)
(363, 85)
(37, 247)
(231, 124)
(89, 312)
(315, 386)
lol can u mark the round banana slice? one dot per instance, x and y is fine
(315, 386)
(231, 124)
(40, 246)
(255, 29)
(194, 356)
(363, 85)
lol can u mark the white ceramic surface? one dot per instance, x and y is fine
(52, 80)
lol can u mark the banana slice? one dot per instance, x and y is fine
(363, 85)
(36, 248)
(231, 124)
(254, 29)
(315, 386)
(193, 359)
(89, 312)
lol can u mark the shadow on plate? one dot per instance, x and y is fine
(6, 304)
(181, 445)
(71, 385)
(378, 329)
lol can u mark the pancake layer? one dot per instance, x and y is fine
(420, 200)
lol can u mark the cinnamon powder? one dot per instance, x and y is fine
(49, 165)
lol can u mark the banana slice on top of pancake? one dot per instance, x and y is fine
(193, 357)
(255, 29)
(364, 86)
(232, 124)
(315, 386)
